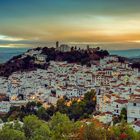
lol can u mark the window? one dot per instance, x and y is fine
(116, 106)
(132, 111)
(135, 119)
(134, 104)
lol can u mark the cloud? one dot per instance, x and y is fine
(9, 38)
(37, 22)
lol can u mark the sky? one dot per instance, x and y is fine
(111, 24)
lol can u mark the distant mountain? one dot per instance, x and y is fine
(131, 53)
(8, 53)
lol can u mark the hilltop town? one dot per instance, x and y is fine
(50, 74)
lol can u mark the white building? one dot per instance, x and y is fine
(118, 105)
(136, 125)
(111, 58)
(104, 117)
(64, 48)
(133, 110)
(40, 58)
(33, 52)
(4, 107)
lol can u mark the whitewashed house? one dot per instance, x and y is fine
(4, 107)
(136, 125)
(118, 105)
(133, 110)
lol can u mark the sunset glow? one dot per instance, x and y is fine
(39, 22)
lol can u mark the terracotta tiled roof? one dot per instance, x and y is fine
(137, 123)
(137, 90)
(120, 101)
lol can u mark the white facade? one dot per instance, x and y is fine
(105, 117)
(4, 107)
(133, 110)
(118, 105)
(64, 48)
(136, 125)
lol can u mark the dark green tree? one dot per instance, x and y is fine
(123, 115)
(11, 134)
(62, 128)
(33, 128)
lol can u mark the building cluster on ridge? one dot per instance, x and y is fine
(117, 86)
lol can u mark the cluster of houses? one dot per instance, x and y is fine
(117, 86)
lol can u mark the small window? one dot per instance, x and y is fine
(135, 119)
(134, 104)
(116, 106)
(117, 111)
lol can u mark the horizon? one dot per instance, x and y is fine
(82, 46)
(69, 69)
(6, 53)
(105, 23)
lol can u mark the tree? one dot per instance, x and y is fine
(90, 102)
(90, 132)
(123, 115)
(124, 132)
(39, 104)
(33, 127)
(31, 104)
(89, 95)
(61, 126)
(76, 110)
(61, 106)
(11, 134)
(42, 114)
(42, 133)
(16, 125)
(51, 110)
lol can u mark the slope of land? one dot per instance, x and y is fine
(27, 61)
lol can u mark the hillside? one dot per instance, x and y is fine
(28, 60)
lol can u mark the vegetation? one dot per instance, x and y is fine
(75, 109)
(60, 127)
(75, 55)
(123, 115)
(136, 65)
(63, 122)
(78, 109)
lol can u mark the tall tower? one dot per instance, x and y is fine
(57, 44)
(87, 47)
